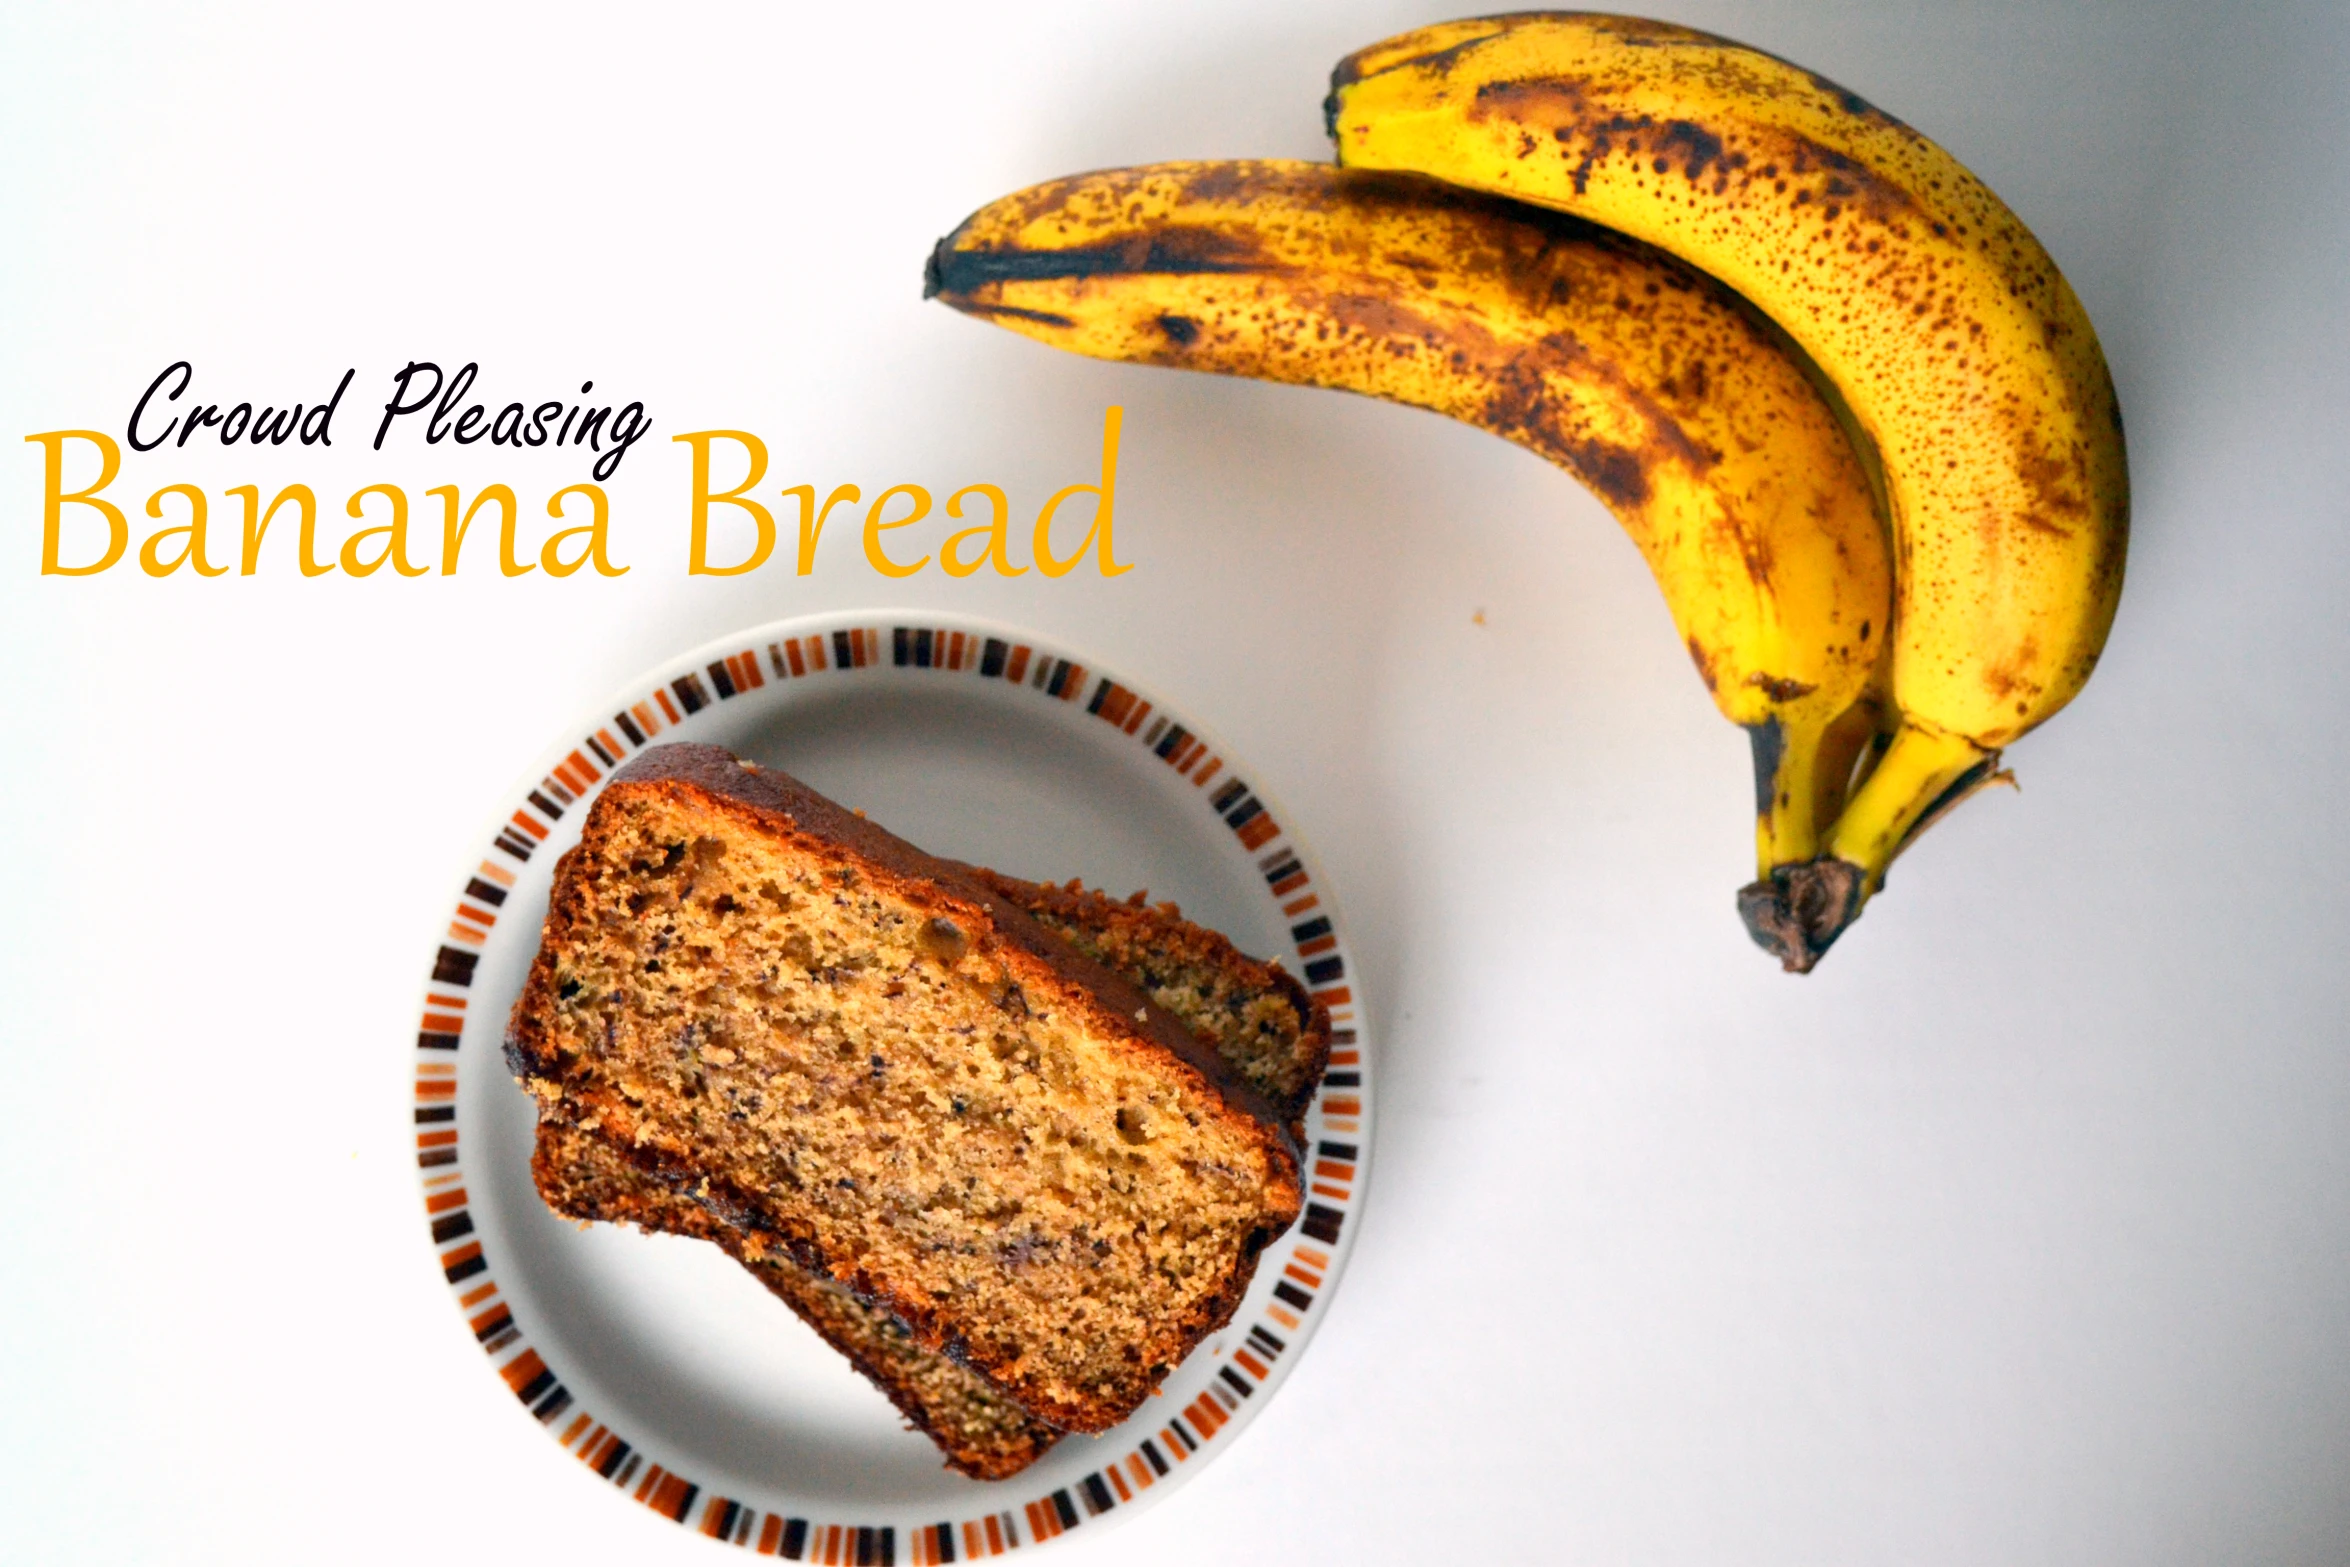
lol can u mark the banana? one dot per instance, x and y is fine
(1689, 417)
(1957, 345)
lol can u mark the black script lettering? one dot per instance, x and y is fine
(187, 373)
(400, 403)
(324, 415)
(459, 385)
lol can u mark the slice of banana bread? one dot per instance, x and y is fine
(864, 1058)
(1259, 1018)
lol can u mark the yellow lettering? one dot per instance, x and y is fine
(698, 557)
(151, 558)
(54, 499)
(1104, 494)
(812, 520)
(998, 533)
(454, 529)
(598, 542)
(395, 536)
(257, 525)
(874, 528)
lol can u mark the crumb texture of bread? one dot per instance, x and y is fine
(1259, 1018)
(866, 1061)
(981, 1432)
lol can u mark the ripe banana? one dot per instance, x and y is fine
(1687, 415)
(1956, 343)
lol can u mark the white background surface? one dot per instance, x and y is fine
(2018, 1233)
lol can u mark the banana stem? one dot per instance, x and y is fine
(1853, 733)
(1922, 769)
(1788, 776)
(1797, 912)
(1803, 768)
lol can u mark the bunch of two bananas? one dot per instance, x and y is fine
(1855, 420)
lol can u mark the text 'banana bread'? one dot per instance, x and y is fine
(862, 1057)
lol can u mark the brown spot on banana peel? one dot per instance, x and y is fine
(1769, 740)
(2056, 486)
(1752, 548)
(956, 274)
(1696, 146)
(1779, 689)
(1521, 409)
(1618, 475)
(1217, 183)
(2012, 679)
(1850, 102)
(1704, 662)
(1792, 168)
(1386, 317)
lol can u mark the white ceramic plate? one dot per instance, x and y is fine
(667, 1369)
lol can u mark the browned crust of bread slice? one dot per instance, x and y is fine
(626, 1059)
(981, 1432)
(1265, 1025)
